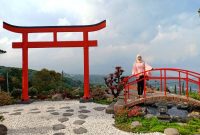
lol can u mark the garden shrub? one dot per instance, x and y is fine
(135, 111)
(1, 118)
(16, 93)
(195, 95)
(32, 92)
(98, 93)
(5, 98)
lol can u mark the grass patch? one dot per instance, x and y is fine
(154, 125)
(102, 101)
(194, 95)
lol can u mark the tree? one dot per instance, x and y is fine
(114, 81)
(183, 88)
(46, 80)
(175, 89)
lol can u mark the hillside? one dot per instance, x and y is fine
(15, 78)
(94, 79)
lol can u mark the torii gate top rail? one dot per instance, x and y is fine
(40, 29)
(186, 75)
(25, 44)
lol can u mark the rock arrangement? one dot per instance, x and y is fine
(60, 118)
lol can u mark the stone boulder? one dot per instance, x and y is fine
(149, 116)
(57, 97)
(3, 130)
(135, 124)
(171, 131)
(194, 114)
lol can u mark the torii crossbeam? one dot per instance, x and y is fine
(25, 44)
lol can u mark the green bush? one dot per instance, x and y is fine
(195, 95)
(16, 93)
(33, 92)
(5, 98)
(154, 125)
(1, 118)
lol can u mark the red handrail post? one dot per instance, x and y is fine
(128, 92)
(161, 80)
(199, 86)
(179, 82)
(187, 94)
(165, 82)
(144, 84)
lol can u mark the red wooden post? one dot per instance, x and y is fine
(144, 84)
(86, 66)
(165, 83)
(187, 93)
(199, 86)
(160, 80)
(128, 92)
(179, 81)
(25, 96)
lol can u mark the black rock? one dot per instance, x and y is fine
(82, 116)
(3, 130)
(78, 122)
(80, 130)
(59, 127)
(55, 113)
(67, 114)
(84, 111)
(99, 108)
(63, 119)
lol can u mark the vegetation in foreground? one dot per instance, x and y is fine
(123, 122)
(195, 95)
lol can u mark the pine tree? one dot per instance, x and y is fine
(183, 88)
(175, 89)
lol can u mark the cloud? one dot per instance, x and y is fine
(166, 35)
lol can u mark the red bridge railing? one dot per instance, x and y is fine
(163, 75)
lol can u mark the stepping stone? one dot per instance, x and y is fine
(82, 107)
(66, 107)
(36, 112)
(63, 119)
(3, 112)
(84, 111)
(59, 127)
(70, 110)
(55, 113)
(78, 122)
(59, 134)
(80, 130)
(18, 110)
(34, 109)
(68, 114)
(82, 116)
(17, 113)
(50, 110)
(99, 108)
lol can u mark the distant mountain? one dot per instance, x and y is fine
(94, 79)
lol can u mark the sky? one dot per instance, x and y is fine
(165, 32)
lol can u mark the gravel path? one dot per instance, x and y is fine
(59, 118)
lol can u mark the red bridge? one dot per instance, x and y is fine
(163, 76)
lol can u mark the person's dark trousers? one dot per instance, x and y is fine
(140, 85)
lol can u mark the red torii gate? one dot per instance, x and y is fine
(25, 44)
